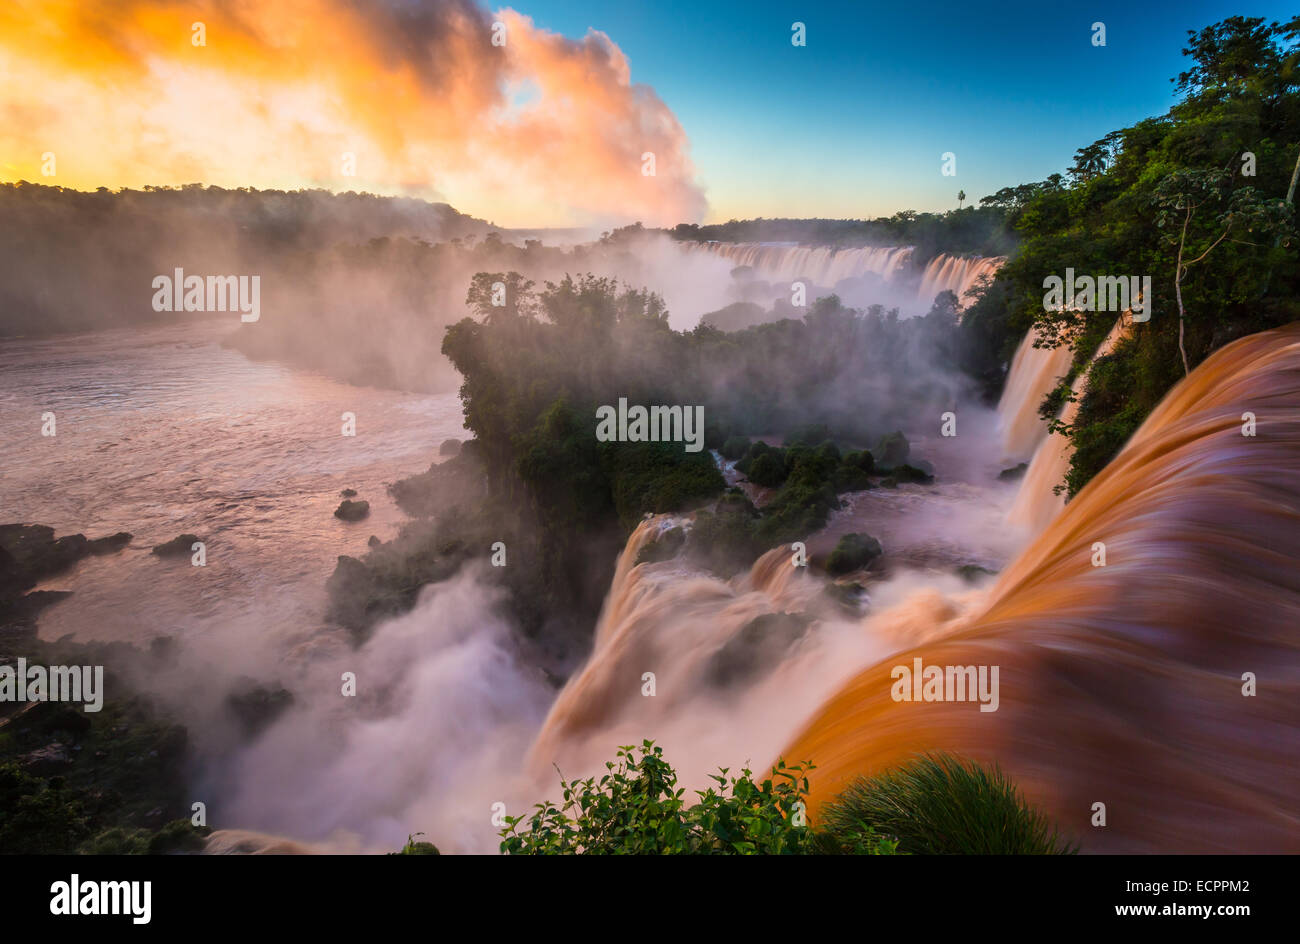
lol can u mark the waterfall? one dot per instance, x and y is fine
(1034, 372)
(826, 267)
(956, 274)
(1037, 502)
(1122, 684)
(822, 265)
(682, 626)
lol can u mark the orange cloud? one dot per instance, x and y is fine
(541, 130)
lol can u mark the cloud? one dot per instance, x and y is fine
(541, 130)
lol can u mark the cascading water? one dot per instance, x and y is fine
(1122, 676)
(823, 265)
(687, 631)
(956, 274)
(1034, 372)
(1038, 502)
(827, 267)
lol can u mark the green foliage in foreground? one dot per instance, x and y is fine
(417, 847)
(934, 805)
(942, 805)
(637, 808)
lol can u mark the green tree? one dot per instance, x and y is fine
(1181, 194)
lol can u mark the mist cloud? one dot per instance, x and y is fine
(543, 130)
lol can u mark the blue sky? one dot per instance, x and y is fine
(853, 124)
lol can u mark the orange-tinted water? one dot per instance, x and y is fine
(1122, 684)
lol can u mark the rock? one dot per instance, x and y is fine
(11, 575)
(352, 510)
(973, 572)
(348, 493)
(850, 596)
(69, 549)
(756, 649)
(179, 546)
(1013, 473)
(450, 447)
(910, 473)
(21, 613)
(664, 547)
(47, 760)
(110, 544)
(30, 553)
(374, 541)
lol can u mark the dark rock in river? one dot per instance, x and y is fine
(177, 547)
(30, 553)
(350, 510)
(1013, 473)
(756, 649)
(110, 544)
(664, 547)
(910, 473)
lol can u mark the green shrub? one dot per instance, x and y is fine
(768, 469)
(942, 805)
(38, 817)
(892, 450)
(413, 847)
(853, 552)
(637, 808)
(118, 841)
(177, 836)
(797, 511)
(861, 460)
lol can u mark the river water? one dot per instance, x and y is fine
(164, 431)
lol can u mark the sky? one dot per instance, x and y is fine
(544, 113)
(855, 123)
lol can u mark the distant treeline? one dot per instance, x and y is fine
(356, 285)
(979, 231)
(74, 260)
